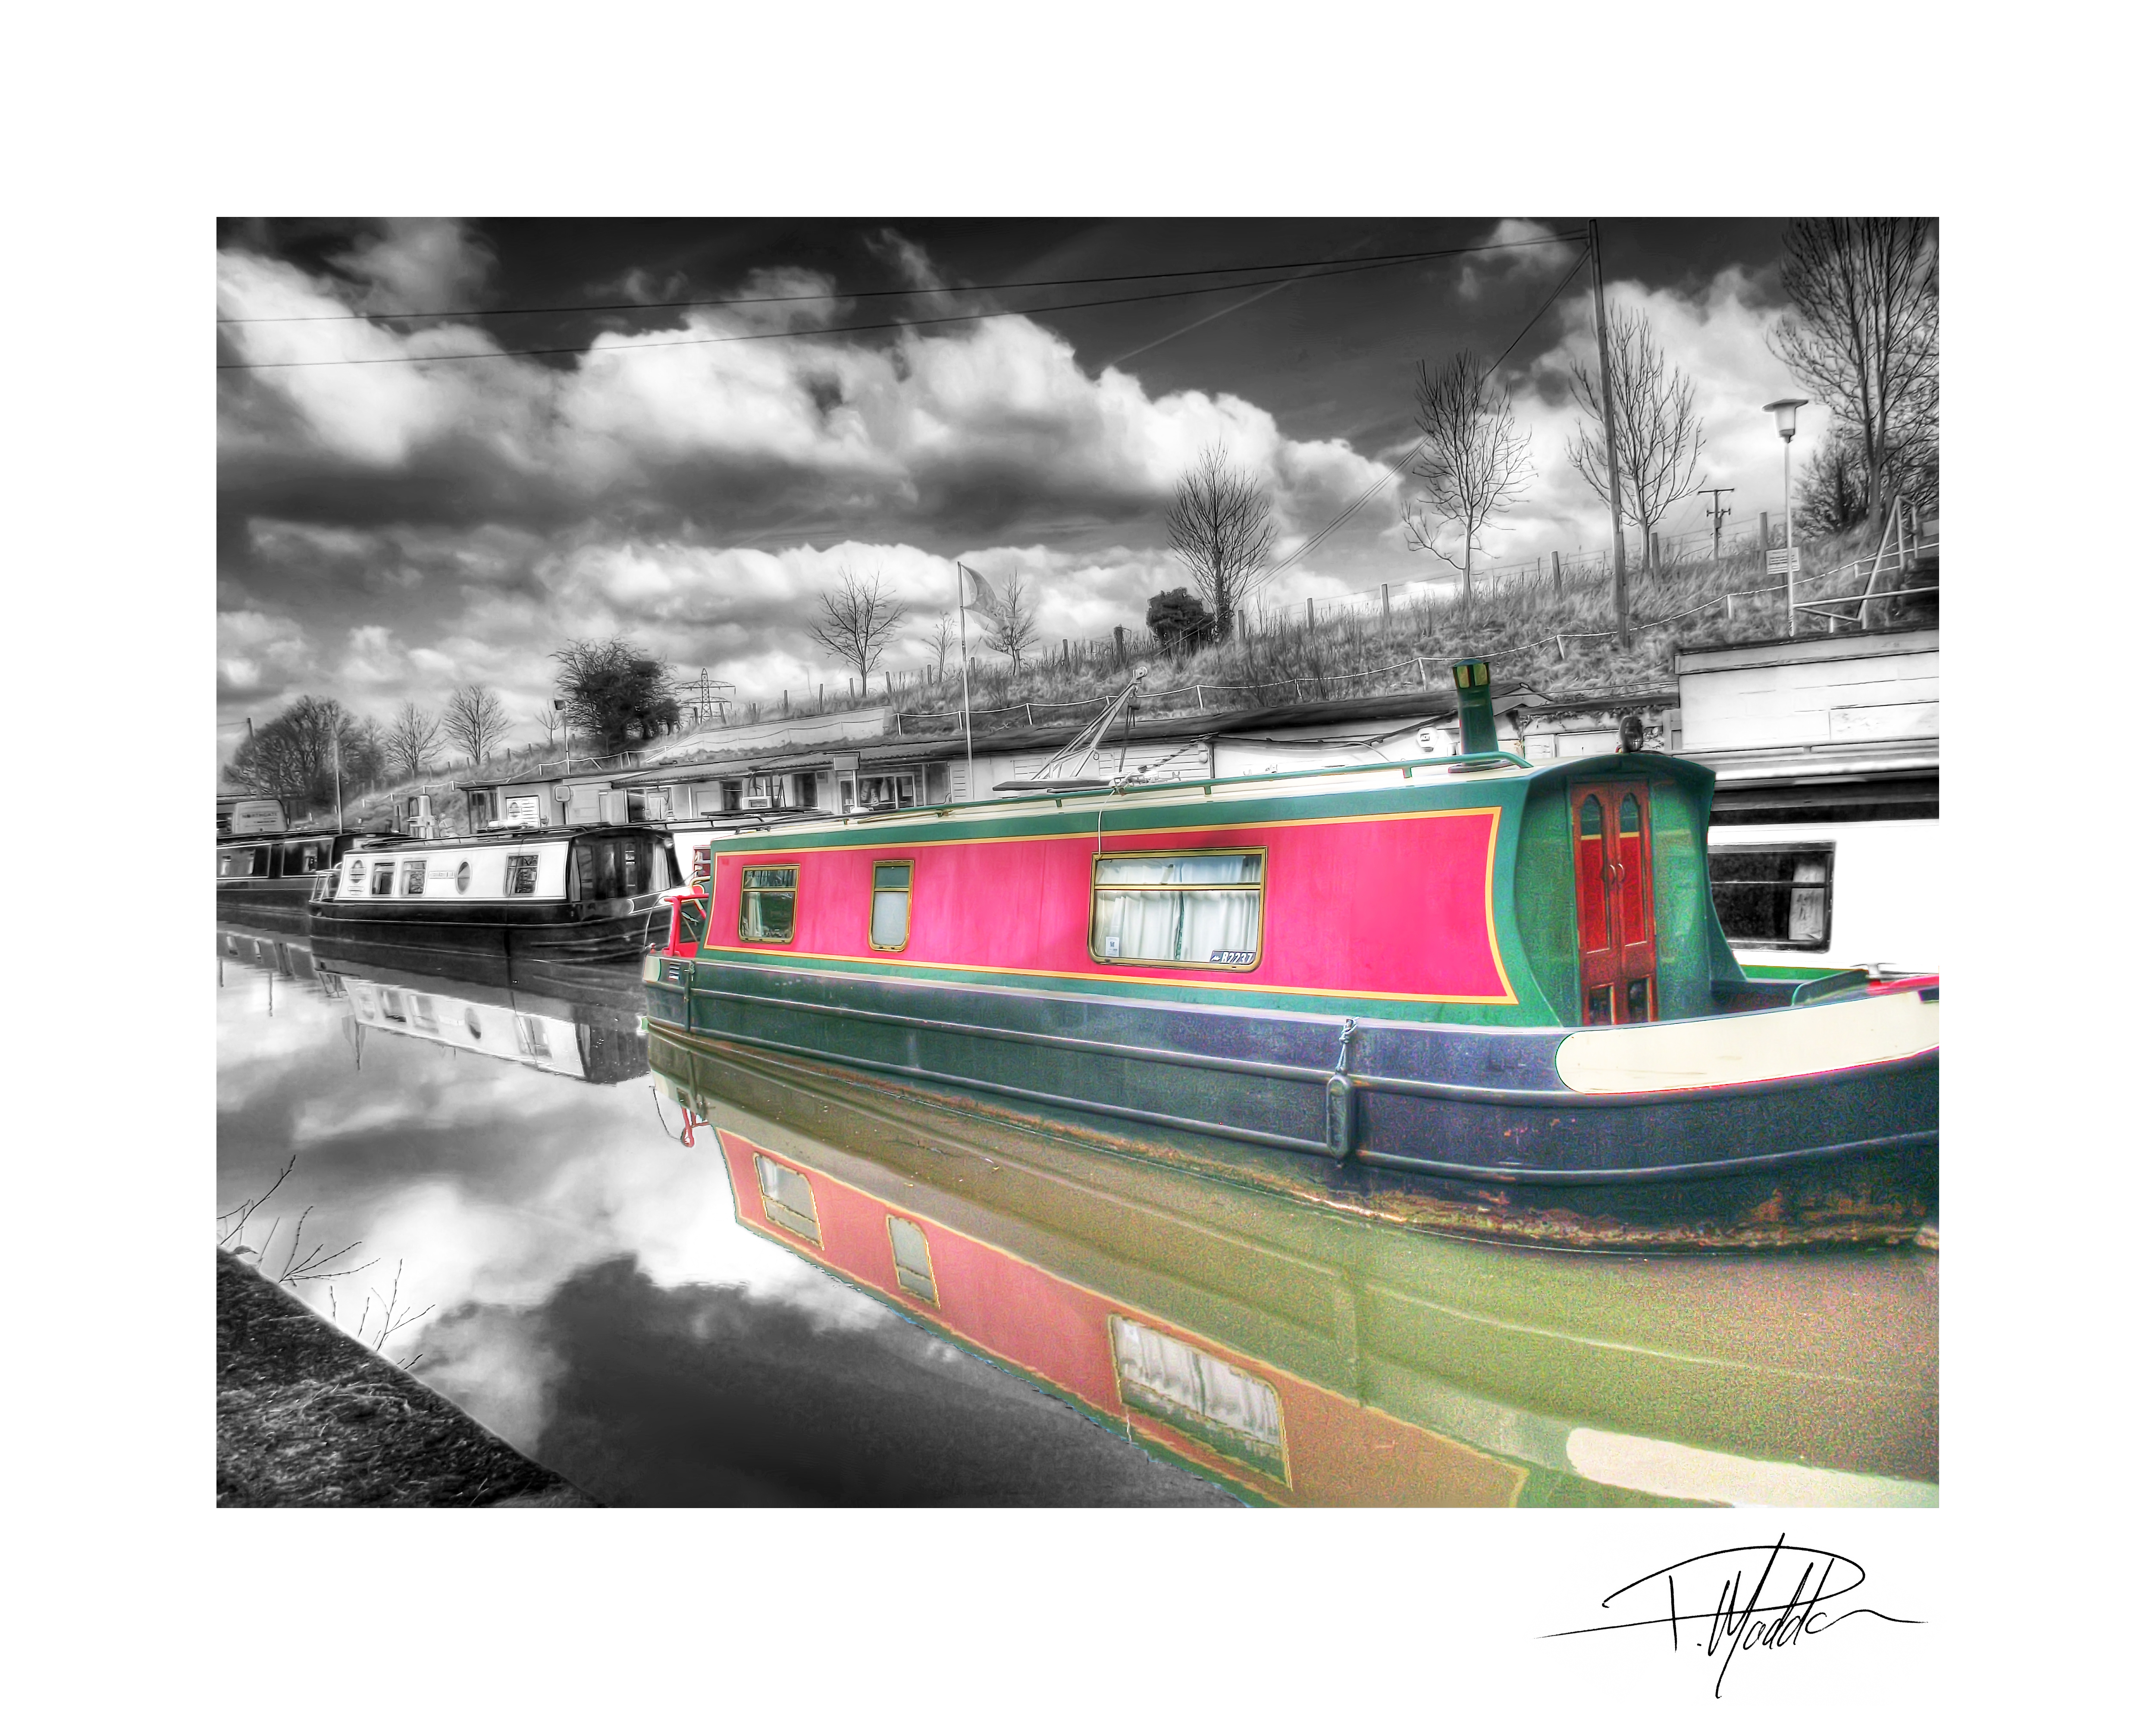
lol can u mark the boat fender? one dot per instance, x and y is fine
(1340, 1102)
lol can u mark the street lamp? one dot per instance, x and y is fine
(1785, 422)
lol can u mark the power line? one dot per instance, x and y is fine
(1400, 466)
(992, 287)
(902, 323)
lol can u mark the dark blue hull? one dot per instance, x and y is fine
(1469, 1127)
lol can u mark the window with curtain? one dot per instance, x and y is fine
(1204, 909)
(1220, 1405)
(767, 904)
(891, 906)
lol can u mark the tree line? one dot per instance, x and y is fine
(610, 694)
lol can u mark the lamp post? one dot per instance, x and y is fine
(1785, 422)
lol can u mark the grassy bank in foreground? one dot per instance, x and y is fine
(308, 1417)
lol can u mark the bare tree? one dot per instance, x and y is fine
(1221, 524)
(1473, 462)
(858, 621)
(412, 741)
(548, 720)
(1656, 414)
(476, 720)
(1862, 335)
(943, 643)
(1009, 611)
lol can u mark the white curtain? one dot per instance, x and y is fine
(1186, 926)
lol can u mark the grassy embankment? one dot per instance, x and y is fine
(1558, 637)
(307, 1416)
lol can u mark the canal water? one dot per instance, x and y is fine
(681, 1279)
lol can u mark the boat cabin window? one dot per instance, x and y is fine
(385, 875)
(531, 1037)
(415, 874)
(767, 904)
(787, 1201)
(1200, 909)
(239, 865)
(522, 873)
(1773, 894)
(619, 865)
(891, 906)
(1222, 1406)
(909, 1258)
(689, 921)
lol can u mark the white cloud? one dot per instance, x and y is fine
(260, 655)
(1718, 340)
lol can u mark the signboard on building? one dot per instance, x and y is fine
(523, 808)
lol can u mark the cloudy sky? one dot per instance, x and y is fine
(693, 476)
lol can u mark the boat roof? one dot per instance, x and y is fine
(526, 836)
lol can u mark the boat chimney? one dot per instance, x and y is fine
(1478, 724)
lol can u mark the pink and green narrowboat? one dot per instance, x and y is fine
(1503, 984)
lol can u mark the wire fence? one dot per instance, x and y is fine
(1376, 608)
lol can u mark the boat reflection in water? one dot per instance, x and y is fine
(1300, 1355)
(572, 1020)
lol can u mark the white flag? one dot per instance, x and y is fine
(979, 594)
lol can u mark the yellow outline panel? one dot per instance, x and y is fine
(1509, 998)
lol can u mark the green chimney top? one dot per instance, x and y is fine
(1478, 724)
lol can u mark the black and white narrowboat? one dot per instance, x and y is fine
(588, 893)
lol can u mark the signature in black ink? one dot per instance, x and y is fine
(1785, 1601)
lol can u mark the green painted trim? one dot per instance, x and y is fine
(1791, 972)
(1116, 988)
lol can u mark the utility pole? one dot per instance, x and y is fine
(1609, 440)
(1714, 494)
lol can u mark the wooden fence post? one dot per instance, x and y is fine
(1766, 541)
(1119, 646)
(1310, 613)
(1385, 602)
(1556, 572)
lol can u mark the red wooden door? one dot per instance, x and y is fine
(1613, 877)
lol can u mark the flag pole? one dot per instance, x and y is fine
(965, 683)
